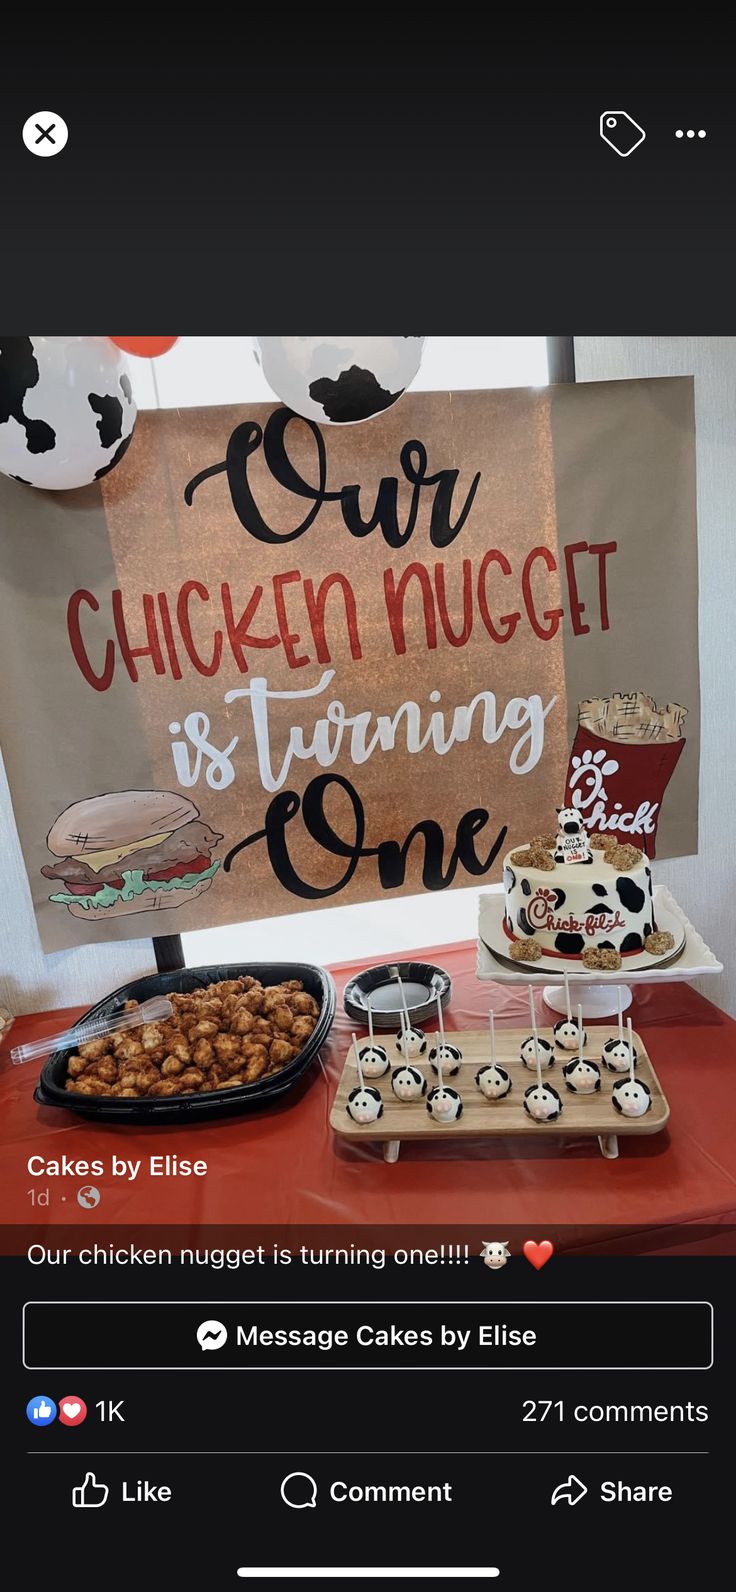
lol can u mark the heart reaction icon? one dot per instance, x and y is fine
(72, 1410)
(538, 1254)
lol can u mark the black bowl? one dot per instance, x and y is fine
(422, 980)
(50, 1089)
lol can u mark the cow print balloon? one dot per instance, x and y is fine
(339, 380)
(66, 410)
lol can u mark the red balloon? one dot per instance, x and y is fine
(145, 347)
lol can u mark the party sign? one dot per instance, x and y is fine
(265, 666)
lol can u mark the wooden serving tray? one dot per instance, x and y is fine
(590, 1116)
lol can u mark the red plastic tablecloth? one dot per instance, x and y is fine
(285, 1166)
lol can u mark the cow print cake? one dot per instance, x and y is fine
(568, 908)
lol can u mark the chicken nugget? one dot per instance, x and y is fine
(280, 1052)
(203, 1053)
(242, 1022)
(282, 1019)
(303, 1005)
(255, 1065)
(301, 1029)
(127, 1047)
(292, 985)
(75, 1067)
(253, 1001)
(130, 1006)
(164, 1087)
(95, 1049)
(192, 1078)
(151, 1036)
(229, 1083)
(130, 1080)
(127, 1093)
(204, 1029)
(107, 1070)
(226, 1046)
(171, 1067)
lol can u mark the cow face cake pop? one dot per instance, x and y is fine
(631, 1097)
(408, 1083)
(373, 1058)
(543, 1049)
(567, 1032)
(443, 1103)
(581, 1076)
(492, 1080)
(364, 1104)
(410, 1042)
(541, 1102)
(444, 1058)
(617, 1055)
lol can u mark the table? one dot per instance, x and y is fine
(283, 1167)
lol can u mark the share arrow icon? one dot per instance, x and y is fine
(570, 1491)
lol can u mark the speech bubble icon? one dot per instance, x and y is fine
(299, 1490)
(211, 1335)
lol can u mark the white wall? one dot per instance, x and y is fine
(217, 370)
(704, 885)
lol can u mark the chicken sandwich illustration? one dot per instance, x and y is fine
(130, 851)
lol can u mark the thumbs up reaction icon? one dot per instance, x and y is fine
(92, 1494)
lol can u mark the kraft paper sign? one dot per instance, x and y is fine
(264, 666)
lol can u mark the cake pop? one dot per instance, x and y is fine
(408, 1083)
(445, 1055)
(631, 1097)
(410, 1042)
(443, 1104)
(582, 1077)
(373, 1058)
(533, 1049)
(364, 1104)
(567, 1031)
(492, 1080)
(541, 1102)
(616, 1055)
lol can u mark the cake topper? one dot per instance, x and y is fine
(572, 843)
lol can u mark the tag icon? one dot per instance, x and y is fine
(621, 132)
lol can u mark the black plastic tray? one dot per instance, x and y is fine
(50, 1089)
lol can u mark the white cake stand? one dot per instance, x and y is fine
(597, 993)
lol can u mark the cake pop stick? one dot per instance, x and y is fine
(364, 1104)
(493, 1081)
(620, 1017)
(567, 996)
(374, 1058)
(541, 1102)
(581, 1076)
(618, 1055)
(535, 1051)
(443, 1104)
(410, 1041)
(631, 1096)
(450, 1055)
(567, 1032)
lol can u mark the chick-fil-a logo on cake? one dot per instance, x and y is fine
(541, 912)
